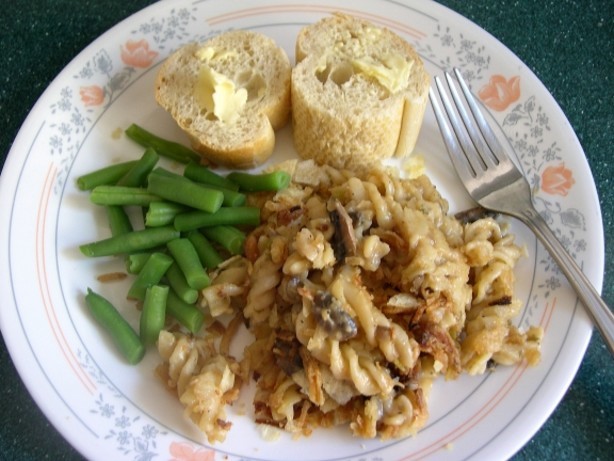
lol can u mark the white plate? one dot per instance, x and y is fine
(109, 410)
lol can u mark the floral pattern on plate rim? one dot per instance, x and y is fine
(109, 72)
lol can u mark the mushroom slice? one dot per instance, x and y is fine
(344, 231)
(331, 315)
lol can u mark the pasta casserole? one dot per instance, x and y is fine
(358, 291)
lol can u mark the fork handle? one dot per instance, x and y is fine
(597, 309)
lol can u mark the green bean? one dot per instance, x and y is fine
(151, 274)
(137, 175)
(184, 191)
(235, 216)
(273, 181)
(209, 257)
(186, 314)
(163, 213)
(107, 175)
(188, 261)
(132, 242)
(119, 222)
(169, 173)
(122, 195)
(164, 147)
(136, 261)
(203, 174)
(122, 334)
(179, 284)
(231, 238)
(153, 315)
(231, 198)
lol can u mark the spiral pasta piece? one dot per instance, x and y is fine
(205, 398)
(264, 279)
(368, 376)
(183, 357)
(202, 380)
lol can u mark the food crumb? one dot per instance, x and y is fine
(241, 409)
(269, 433)
(117, 133)
(449, 446)
(112, 277)
(414, 166)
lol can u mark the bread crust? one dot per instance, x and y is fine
(250, 60)
(342, 117)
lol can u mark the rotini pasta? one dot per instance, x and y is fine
(358, 292)
(264, 279)
(228, 283)
(202, 379)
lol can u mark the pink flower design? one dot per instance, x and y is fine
(499, 93)
(138, 54)
(183, 451)
(91, 95)
(557, 180)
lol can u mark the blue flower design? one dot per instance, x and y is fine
(122, 422)
(103, 62)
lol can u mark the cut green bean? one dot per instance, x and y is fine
(153, 315)
(209, 257)
(184, 191)
(119, 222)
(186, 314)
(231, 238)
(136, 261)
(103, 176)
(188, 261)
(179, 284)
(124, 337)
(122, 195)
(203, 174)
(151, 274)
(231, 198)
(163, 213)
(273, 181)
(235, 216)
(164, 147)
(137, 175)
(132, 242)
(169, 173)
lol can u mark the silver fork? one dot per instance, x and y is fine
(495, 183)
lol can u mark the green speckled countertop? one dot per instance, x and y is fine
(569, 46)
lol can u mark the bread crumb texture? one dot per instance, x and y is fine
(359, 93)
(229, 94)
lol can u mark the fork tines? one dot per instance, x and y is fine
(465, 130)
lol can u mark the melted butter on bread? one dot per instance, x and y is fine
(215, 92)
(391, 71)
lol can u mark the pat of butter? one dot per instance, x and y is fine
(391, 71)
(215, 92)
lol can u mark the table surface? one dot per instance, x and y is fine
(569, 46)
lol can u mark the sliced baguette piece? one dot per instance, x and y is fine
(250, 68)
(359, 93)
